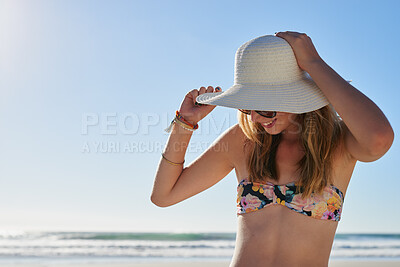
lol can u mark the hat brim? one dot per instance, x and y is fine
(296, 97)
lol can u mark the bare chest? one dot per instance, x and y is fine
(287, 160)
(288, 157)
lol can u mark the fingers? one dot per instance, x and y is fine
(285, 35)
(203, 90)
(194, 93)
(209, 89)
(291, 35)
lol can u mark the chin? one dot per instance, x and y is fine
(272, 131)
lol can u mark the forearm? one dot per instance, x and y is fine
(167, 174)
(362, 116)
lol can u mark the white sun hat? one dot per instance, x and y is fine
(267, 77)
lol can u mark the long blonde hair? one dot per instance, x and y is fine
(320, 135)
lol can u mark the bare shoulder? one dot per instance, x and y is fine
(234, 131)
(234, 139)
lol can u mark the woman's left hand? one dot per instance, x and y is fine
(303, 48)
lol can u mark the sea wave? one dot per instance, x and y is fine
(169, 245)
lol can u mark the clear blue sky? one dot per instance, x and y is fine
(120, 69)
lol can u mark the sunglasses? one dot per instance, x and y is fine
(266, 114)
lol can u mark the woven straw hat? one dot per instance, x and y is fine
(267, 77)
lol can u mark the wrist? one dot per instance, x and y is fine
(312, 65)
(189, 118)
(178, 128)
(181, 121)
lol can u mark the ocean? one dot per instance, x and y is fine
(16, 247)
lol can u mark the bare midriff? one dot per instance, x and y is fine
(278, 236)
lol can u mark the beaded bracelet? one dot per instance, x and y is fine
(183, 125)
(179, 117)
(182, 122)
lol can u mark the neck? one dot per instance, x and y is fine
(292, 134)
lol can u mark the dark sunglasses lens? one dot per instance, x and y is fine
(267, 114)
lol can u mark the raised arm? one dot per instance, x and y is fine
(173, 183)
(368, 134)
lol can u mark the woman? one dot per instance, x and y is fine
(292, 154)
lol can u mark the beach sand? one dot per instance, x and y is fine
(337, 263)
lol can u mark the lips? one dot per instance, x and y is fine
(269, 124)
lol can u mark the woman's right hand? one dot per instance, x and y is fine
(192, 112)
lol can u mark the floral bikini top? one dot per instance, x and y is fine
(255, 196)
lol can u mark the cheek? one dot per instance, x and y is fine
(290, 119)
(284, 123)
(283, 120)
